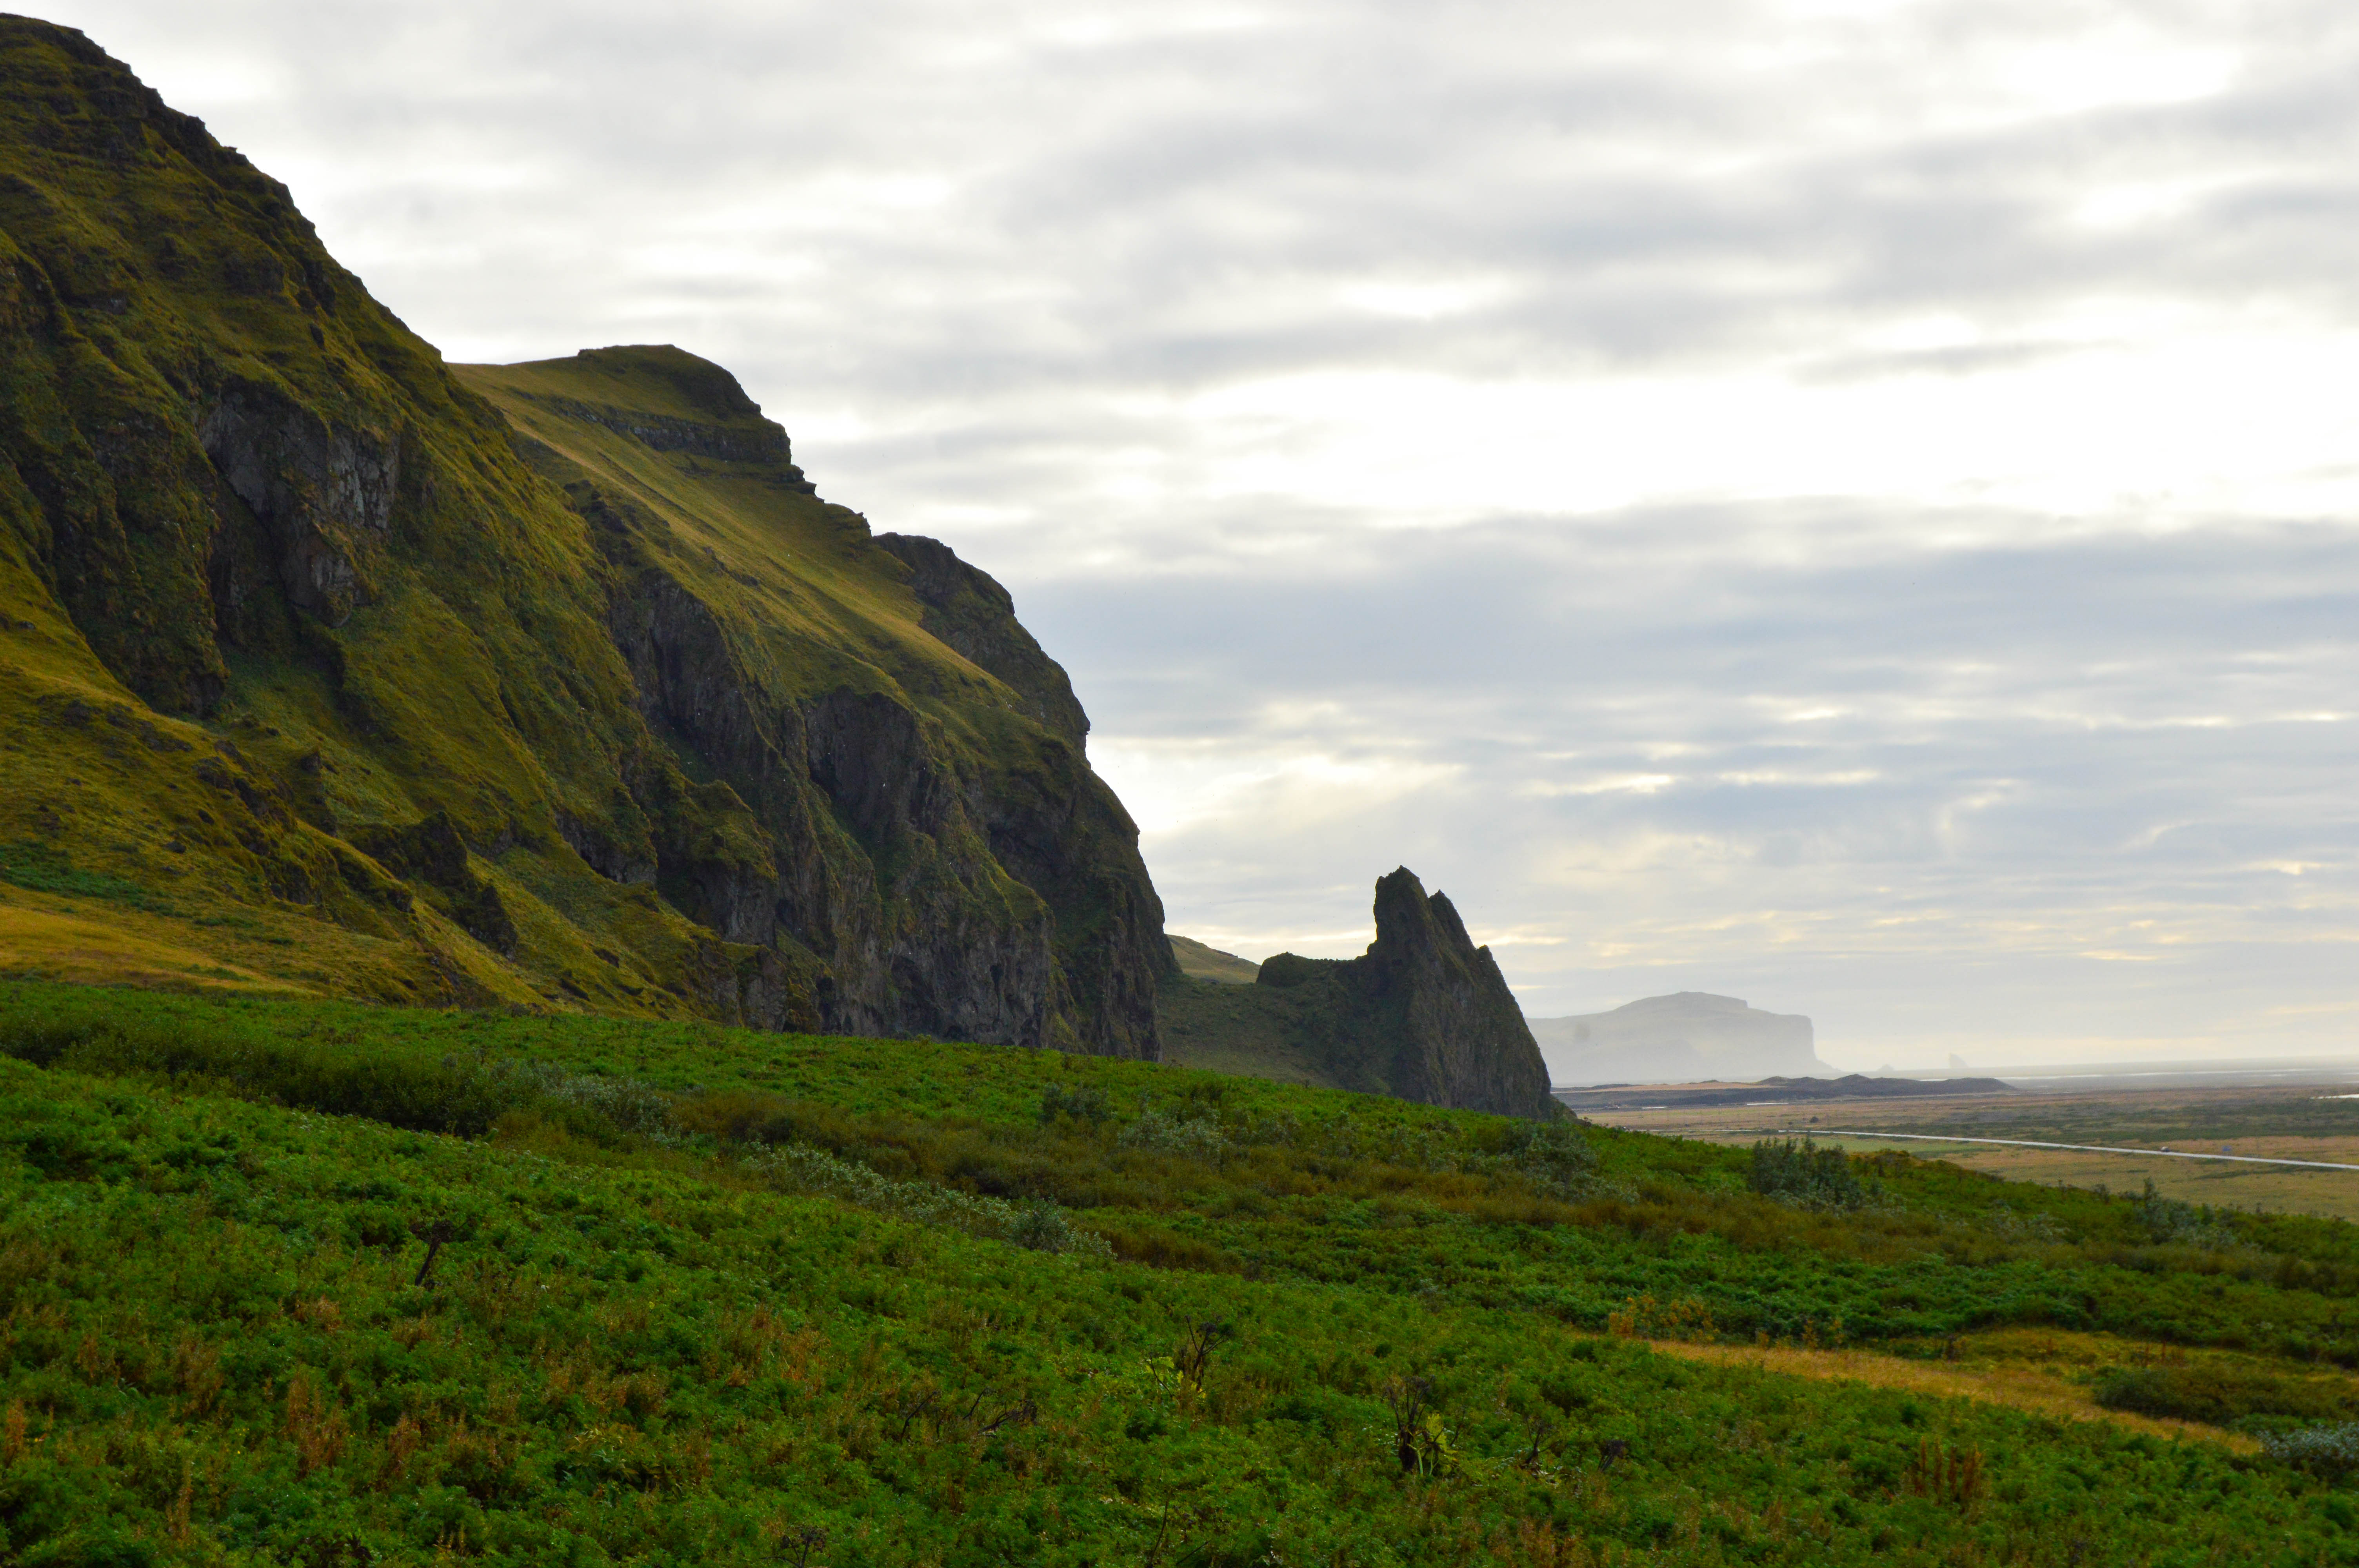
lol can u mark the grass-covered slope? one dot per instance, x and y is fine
(315, 675)
(701, 1295)
(1200, 962)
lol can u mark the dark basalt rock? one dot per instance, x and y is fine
(1463, 1038)
(431, 853)
(310, 485)
(1424, 1015)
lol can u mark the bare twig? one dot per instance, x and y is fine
(435, 1237)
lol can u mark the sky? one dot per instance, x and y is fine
(1848, 503)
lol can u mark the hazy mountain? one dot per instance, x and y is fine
(1683, 1038)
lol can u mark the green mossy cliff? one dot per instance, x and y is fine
(328, 666)
(1423, 1015)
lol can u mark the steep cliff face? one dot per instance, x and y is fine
(323, 663)
(1424, 1014)
(974, 614)
(909, 756)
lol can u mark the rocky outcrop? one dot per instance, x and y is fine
(945, 895)
(664, 435)
(962, 880)
(312, 487)
(1424, 1014)
(430, 853)
(967, 608)
(1463, 1039)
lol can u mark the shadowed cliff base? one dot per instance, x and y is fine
(1423, 1015)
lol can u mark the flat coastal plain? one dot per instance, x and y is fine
(2279, 1122)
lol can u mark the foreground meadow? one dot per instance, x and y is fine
(324, 1283)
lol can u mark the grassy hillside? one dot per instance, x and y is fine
(319, 675)
(699, 1295)
(1200, 962)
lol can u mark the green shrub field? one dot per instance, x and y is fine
(327, 1283)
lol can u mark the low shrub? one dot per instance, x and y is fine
(1555, 1156)
(1805, 1174)
(452, 1094)
(2169, 1221)
(1039, 1225)
(1087, 1103)
(2331, 1451)
(1199, 1136)
(2219, 1394)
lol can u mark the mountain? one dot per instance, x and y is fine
(1423, 1015)
(1684, 1038)
(328, 667)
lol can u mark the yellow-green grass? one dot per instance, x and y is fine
(2043, 1371)
(2276, 1189)
(1201, 962)
(795, 576)
(48, 944)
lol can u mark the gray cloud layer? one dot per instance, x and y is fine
(2018, 794)
(1202, 326)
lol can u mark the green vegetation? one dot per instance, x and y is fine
(1805, 1174)
(41, 868)
(1249, 1029)
(2222, 1395)
(321, 1281)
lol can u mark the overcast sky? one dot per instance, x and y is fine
(1849, 503)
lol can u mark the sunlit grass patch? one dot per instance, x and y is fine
(2030, 1384)
(52, 945)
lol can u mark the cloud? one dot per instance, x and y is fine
(1899, 791)
(1847, 504)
